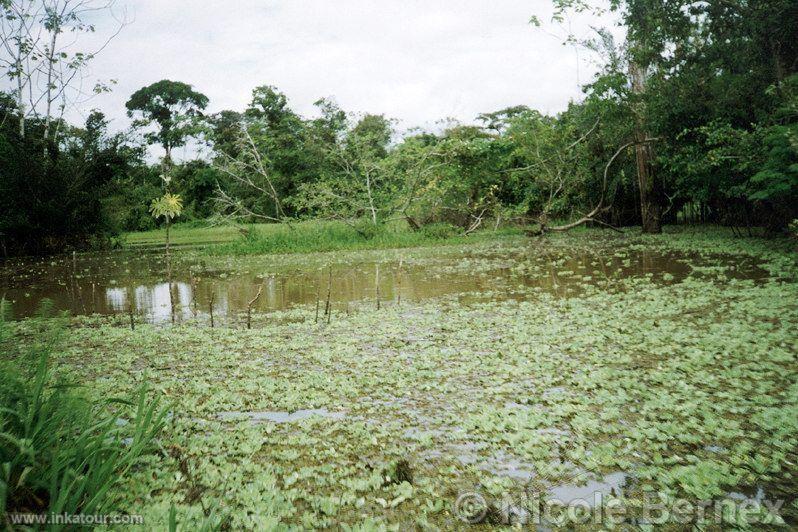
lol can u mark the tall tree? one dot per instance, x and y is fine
(649, 182)
(170, 105)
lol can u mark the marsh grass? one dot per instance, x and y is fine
(309, 236)
(318, 236)
(60, 452)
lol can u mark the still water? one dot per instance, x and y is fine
(124, 281)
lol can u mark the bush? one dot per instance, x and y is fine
(439, 230)
(59, 451)
(368, 229)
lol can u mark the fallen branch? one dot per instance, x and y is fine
(591, 216)
(477, 222)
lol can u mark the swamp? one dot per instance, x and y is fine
(560, 368)
(398, 266)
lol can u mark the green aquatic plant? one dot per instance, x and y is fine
(628, 383)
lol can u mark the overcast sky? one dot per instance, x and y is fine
(417, 61)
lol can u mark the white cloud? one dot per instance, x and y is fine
(418, 61)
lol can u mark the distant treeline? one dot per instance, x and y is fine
(693, 119)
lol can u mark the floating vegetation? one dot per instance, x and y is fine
(657, 377)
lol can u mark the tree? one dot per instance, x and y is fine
(358, 184)
(249, 174)
(63, 199)
(170, 105)
(168, 207)
(266, 155)
(498, 121)
(46, 69)
(648, 181)
(281, 136)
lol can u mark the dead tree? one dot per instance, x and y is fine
(242, 169)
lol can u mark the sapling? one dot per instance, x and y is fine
(168, 206)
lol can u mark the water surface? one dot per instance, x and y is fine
(124, 281)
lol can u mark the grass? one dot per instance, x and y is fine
(61, 453)
(307, 237)
(182, 235)
(637, 382)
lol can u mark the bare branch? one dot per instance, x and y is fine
(591, 217)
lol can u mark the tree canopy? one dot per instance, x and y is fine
(169, 105)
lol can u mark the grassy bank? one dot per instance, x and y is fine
(182, 235)
(307, 237)
(627, 383)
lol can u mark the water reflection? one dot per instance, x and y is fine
(118, 283)
(151, 301)
(116, 299)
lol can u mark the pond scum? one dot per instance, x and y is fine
(477, 409)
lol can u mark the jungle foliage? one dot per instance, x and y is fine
(699, 105)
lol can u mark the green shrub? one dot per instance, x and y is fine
(300, 237)
(60, 452)
(439, 230)
(368, 229)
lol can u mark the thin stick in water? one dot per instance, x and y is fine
(399, 283)
(249, 306)
(194, 284)
(377, 284)
(318, 297)
(327, 307)
(210, 307)
(130, 314)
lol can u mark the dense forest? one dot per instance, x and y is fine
(694, 118)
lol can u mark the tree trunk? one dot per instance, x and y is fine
(50, 86)
(648, 181)
(20, 96)
(371, 199)
(169, 273)
(20, 52)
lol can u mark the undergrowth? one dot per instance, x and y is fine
(60, 451)
(317, 236)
